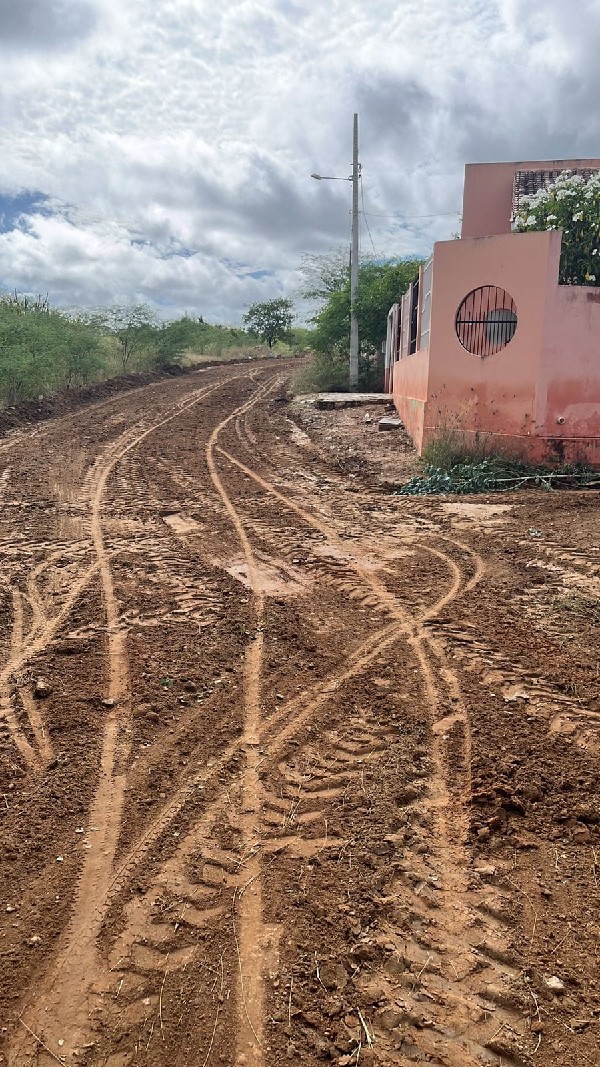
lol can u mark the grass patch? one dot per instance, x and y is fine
(495, 474)
(214, 353)
(448, 450)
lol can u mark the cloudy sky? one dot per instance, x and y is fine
(161, 150)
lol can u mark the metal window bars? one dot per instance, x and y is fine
(414, 317)
(426, 303)
(486, 320)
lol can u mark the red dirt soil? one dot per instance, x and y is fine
(291, 769)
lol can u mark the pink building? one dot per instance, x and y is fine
(488, 344)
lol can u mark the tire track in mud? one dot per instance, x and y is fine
(563, 713)
(29, 648)
(459, 1034)
(486, 950)
(307, 782)
(95, 915)
(251, 937)
(25, 646)
(150, 944)
(62, 1006)
(288, 718)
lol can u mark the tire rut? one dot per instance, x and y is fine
(446, 808)
(62, 1005)
(276, 792)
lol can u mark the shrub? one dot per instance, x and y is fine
(326, 372)
(572, 205)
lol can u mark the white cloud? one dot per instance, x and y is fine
(174, 139)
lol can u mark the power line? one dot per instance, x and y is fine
(435, 215)
(362, 197)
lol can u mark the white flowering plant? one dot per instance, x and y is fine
(570, 204)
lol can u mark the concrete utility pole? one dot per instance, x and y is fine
(354, 262)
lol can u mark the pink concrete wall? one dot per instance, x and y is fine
(410, 378)
(494, 395)
(567, 401)
(488, 189)
(540, 394)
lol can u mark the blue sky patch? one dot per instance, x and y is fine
(12, 207)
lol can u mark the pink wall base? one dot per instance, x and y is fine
(553, 451)
(412, 413)
(410, 379)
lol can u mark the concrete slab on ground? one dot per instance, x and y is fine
(390, 422)
(343, 400)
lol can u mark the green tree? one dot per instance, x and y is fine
(132, 326)
(271, 321)
(172, 339)
(80, 356)
(379, 286)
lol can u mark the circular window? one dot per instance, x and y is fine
(486, 320)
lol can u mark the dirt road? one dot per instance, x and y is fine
(292, 770)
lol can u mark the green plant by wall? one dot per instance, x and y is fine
(571, 204)
(495, 474)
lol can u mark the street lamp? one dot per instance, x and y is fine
(353, 252)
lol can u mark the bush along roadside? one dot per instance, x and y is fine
(496, 475)
(45, 350)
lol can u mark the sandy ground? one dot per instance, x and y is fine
(292, 769)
